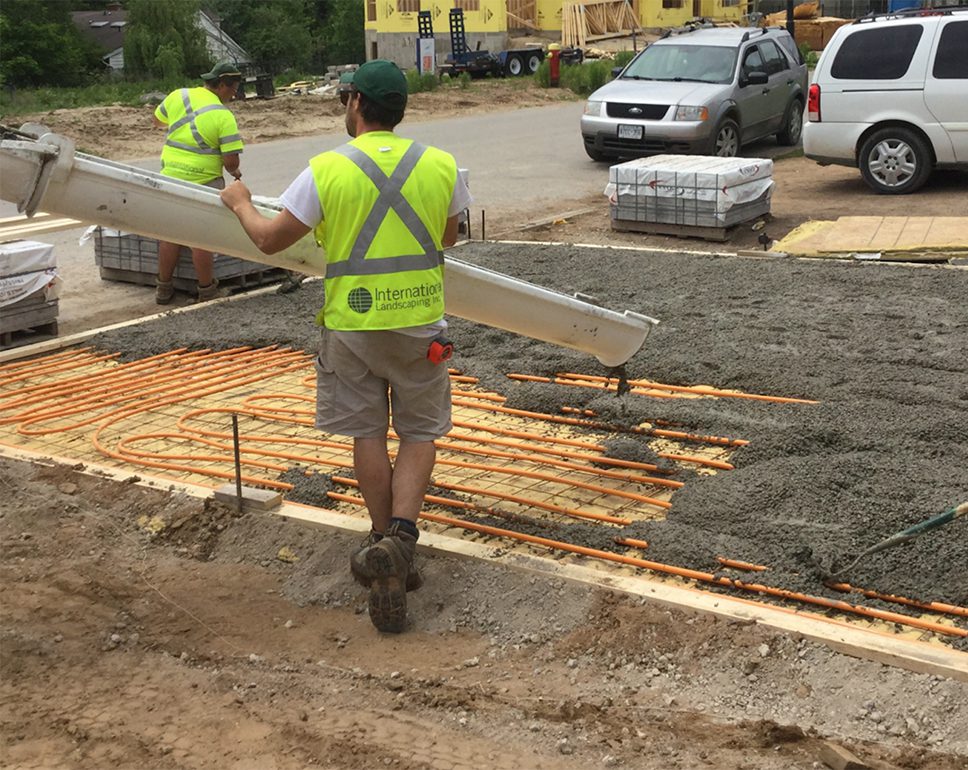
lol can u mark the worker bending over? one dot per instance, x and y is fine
(382, 207)
(202, 139)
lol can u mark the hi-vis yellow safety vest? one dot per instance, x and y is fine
(200, 130)
(385, 201)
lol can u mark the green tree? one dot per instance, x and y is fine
(277, 35)
(342, 32)
(164, 40)
(42, 47)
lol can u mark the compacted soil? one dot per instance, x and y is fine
(145, 628)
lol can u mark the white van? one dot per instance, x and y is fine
(890, 96)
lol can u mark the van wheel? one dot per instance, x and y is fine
(792, 125)
(725, 142)
(894, 161)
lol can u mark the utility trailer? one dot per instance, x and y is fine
(477, 63)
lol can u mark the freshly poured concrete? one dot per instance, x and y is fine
(883, 348)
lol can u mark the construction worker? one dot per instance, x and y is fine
(293, 279)
(202, 140)
(382, 207)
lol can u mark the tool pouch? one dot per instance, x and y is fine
(440, 350)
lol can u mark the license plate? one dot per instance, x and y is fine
(630, 132)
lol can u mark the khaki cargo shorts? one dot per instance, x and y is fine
(363, 377)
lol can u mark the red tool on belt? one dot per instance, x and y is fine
(440, 350)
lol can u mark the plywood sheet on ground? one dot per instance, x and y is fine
(909, 238)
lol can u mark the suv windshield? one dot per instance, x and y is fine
(683, 62)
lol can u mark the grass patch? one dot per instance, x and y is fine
(26, 101)
(581, 78)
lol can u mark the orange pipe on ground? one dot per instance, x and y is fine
(705, 577)
(697, 389)
(631, 542)
(743, 565)
(947, 609)
(551, 507)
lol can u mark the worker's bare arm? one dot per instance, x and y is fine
(158, 123)
(231, 164)
(269, 235)
(450, 232)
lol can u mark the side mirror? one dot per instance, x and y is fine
(755, 78)
(616, 71)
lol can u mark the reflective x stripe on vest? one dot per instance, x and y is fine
(390, 197)
(201, 146)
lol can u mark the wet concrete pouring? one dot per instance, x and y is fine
(881, 347)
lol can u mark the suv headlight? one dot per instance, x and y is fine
(692, 113)
(593, 108)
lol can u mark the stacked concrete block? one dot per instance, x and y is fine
(133, 258)
(29, 287)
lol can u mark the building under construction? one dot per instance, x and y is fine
(392, 28)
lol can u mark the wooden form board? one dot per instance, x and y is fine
(21, 227)
(596, 20)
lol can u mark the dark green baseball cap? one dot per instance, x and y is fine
(224, 69)
(382, 82)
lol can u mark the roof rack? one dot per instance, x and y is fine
(690, 26)
(907, 13)
(748, 35)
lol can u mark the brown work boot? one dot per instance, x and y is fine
(211, 291)
(361, 573)
(390, 562)
(164, 292)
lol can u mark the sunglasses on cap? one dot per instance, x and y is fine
(344, 96)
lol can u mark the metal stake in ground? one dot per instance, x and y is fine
(238, 462)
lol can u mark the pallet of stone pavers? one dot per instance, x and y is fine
(720, 234)
(22, 322)
(688, 195)
(670, 225)
(132, 258)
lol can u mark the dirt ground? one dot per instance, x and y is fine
(197, 647)
(193, 645)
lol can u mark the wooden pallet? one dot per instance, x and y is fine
(26, 325)
(682, 231)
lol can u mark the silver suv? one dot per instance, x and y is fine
(706, 90)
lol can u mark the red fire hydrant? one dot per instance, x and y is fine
(554, 63)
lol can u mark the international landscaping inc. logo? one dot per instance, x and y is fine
(360, 300)
(427, 295)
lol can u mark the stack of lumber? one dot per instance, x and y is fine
(809, 28)
(596, 20)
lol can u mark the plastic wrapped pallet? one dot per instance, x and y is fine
(18, 257)
(29, 288)
(690, 190)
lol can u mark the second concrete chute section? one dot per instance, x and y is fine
(43, 171)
